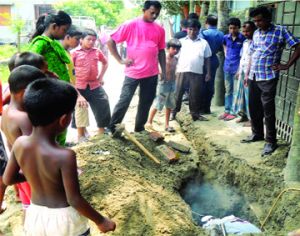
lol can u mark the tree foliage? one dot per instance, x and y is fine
(174, 7)
(105, 12)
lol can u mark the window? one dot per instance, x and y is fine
(41, 9)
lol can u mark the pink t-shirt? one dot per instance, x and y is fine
(86, 67)
(144, 40)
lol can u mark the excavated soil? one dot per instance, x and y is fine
(143, 197)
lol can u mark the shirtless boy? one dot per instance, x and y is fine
(57, 207)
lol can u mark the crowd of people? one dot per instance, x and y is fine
(60, 73)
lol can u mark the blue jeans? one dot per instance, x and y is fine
(229, 91)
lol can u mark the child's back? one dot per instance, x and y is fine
(15, 121)
(57, 207)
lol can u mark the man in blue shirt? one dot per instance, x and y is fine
(214, 37)
(266, 50)
(232, 43)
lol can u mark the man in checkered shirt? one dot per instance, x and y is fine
(263, 72)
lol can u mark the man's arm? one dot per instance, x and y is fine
(162, 63)
(74, 198)
(111, 44)
(207, 66)
(102, 72)
(292, 60)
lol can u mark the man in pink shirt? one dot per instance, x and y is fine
(89, 81)
(145, 49)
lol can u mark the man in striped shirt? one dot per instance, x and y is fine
(263, 72)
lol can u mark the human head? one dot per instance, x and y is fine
(193, 15)
(21, 76)
(173, 46)
(193, 28)
(32, 59)
(56, 25)
(248, 29)
(262, 17)
(183, 24)
(11, 62)
(47, 100)
(89, 38)
(151, 10)
(234, 25)
(72, 37)
(212, 20)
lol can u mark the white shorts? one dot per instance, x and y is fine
(44, 221)
(81, 116)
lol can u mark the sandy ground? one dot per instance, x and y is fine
(143, 197)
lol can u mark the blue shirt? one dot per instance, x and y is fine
(214, 37)
(266, 51)
(233, 49)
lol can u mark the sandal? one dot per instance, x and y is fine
(170, 129)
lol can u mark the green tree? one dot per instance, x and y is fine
(104, 12)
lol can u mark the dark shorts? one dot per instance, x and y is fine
(3, 156)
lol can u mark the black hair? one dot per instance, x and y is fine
(174, 43)
(234, 21)
(193, 15)
(87, 32)
(74, 31)
(184, 23)
(264, 11)
(155, 4)
(30, 58)
(193, 23)
(23, 75)
(11, 62)
(44, 21)
(251, 23)
(46, 100)
(212, 20)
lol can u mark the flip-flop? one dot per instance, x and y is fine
(170, 129)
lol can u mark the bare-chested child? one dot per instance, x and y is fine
(15, 121)
(57, 207)
(166, 89)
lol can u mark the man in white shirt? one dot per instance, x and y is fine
(195, 53)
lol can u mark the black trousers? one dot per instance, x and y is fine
(146, 96)
(194, 82)
(262, 106)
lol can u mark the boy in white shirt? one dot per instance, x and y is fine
(195, 53)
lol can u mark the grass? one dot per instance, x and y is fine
(4, 73)
(6, 51)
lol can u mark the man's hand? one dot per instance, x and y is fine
(246, 80)
(278, 67)
(82, 102)
(237, 75)
(107, 225)
(207, 77)
(127, 62)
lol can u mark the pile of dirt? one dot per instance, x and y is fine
(119, 181)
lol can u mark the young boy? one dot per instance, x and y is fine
(166, 88)
(194, 54)
(232, 44)
(241, 100)
(15, 121)
(57, 207)
(71, 41)
(89, 82)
